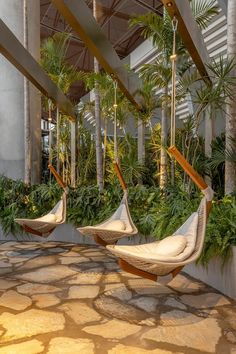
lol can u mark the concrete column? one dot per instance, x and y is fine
(12, 101)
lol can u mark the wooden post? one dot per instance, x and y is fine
(57, 176)
(119, 175)
(197, 179)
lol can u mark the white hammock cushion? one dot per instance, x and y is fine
(171, 246)
(48, 218)
(117, 225)
(149, 252)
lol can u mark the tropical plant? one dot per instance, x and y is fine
(155, 213)
(53, 60)
(160, 30)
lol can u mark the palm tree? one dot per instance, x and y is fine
(230, 129)
(53, 60)
(97, 117)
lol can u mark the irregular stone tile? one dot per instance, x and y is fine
(80, 312)
(15, 301)
(85, 278)
(113, 308)
(229, 315)
(205, 300)
(148, 304)
(29, 246)
(83, 292)
(98, 259)
(174, 303)
(121, 293)
(184, 285)
(31, 347)
(47, 274)
(34, 288)
(77, 248)
(123, 349)
(112, 278)
(56, 250)
(113, 329)
(49, 244)
(65, 345)
(111, 286)
(24, 253)
(72, 254)
(39, 262)
(45, 300)
(97, 270)
(202, 335)
(112, 266)
(4, 264)
(8, 245)
(5, 271)
(143, 287)
(15, 260)
(7, 284)
(71, 260)
(177, 318)
(92, 254)
(30, 323)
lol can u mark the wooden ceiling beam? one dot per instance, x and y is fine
(80, 18)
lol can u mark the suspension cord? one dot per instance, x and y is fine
(50, 132)
(173, 59)
(115, 123)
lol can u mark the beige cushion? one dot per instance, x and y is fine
(115, 225)
(48, 218)
(171, 246)
(148, 252)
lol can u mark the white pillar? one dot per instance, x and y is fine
(12, 95)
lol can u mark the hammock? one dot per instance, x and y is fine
(44, 225)
(119, 225)
(149, 260)
(167, 257)
(146, 259)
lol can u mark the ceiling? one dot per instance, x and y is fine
(113, 17)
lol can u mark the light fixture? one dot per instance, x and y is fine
(169, 4)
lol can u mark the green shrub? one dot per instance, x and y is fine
(154, 212)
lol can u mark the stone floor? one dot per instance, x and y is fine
(59, 298)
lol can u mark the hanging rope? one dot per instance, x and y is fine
(173, 59)
(115, 123)
(49, 128)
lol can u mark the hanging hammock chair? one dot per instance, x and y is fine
(167, 257)
(119, 225)
(170, 255)
(44, 225)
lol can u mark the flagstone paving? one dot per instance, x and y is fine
(62, 298)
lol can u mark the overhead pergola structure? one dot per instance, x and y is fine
(82, 22)
(15, 52)
(113, 21)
